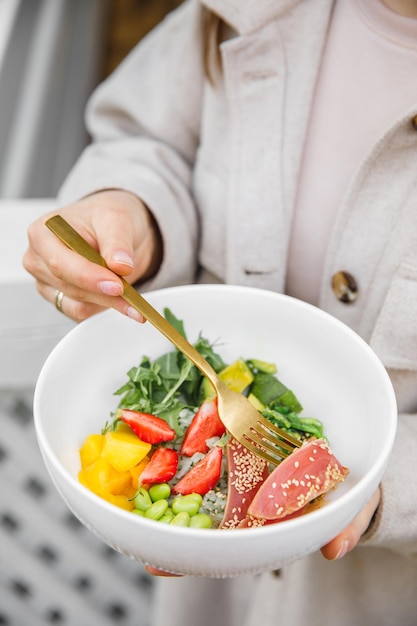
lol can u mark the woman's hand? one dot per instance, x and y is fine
(120, 227)
(159, 572)
(349, 537)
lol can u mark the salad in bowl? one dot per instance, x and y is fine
(166, 455)
(112, 385)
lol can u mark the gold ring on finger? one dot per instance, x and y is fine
(59, 296)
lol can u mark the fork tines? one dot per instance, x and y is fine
(269, 441)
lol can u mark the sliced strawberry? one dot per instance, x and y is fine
(147, 427)
(203, 476)
(205, 424)
(161, 468)
(305, 474)
(246, 473)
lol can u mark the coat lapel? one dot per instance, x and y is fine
(269, 80)
(246, 16)
(255, 93)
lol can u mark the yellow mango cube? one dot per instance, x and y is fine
(137, 470)
(91, 449)
(123, 450)
(102, 479)
(129, 491)
(122, 427)
(237, 376)
(120, 501)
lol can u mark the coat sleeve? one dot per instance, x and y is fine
(144, 125)
(395, 522)
(394, 339)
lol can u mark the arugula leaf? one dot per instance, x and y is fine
(176, 323)
(185, 370)
(171, 416)
(205, 348)
(168, 384)
(143, 386)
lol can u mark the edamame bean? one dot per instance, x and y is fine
(181, 519)
(201, 520)
(168, 517)
(195, 496)
(185, 503)
(157, 509)
(160, 491)
(142, 499)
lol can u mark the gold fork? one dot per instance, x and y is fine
(239, 416)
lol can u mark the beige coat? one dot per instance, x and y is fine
(218, 167)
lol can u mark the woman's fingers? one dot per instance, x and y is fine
(126, 232)
(88, 288)
(349, 537)
(115, 223)
(80, 309)
(69, 271)
(74, 309)
(159, 572)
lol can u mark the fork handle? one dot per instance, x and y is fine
(74, 241)
(156, 319)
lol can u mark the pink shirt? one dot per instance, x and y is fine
(367, 78)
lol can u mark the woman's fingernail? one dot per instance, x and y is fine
(123, 257)
(343, 550)
(134, 314)
(111, 288)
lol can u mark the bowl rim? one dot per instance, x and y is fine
(50, 457)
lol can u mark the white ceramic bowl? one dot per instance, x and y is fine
(336, 376)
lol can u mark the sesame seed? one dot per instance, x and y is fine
(248, 470)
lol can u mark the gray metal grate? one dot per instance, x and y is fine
(52, 569)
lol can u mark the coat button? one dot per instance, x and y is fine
(414, 122)
(344, 287)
